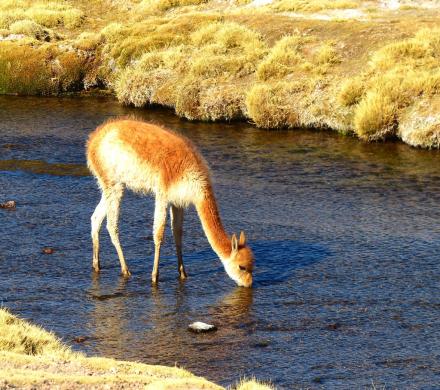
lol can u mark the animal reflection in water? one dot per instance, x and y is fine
(155, 322)
(146, 158)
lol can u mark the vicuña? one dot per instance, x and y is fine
(146, 158)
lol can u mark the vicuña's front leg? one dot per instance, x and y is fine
(160, 219)
(176, 214)
(113, 201)
(97, 218)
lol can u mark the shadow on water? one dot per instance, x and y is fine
(277, 261)
(44, 168)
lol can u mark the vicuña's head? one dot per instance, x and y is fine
(240, 264)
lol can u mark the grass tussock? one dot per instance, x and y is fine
(201, 78)
(268, 105)
(45, 13)
(124, 45)
(40, 70)
(313, 5)
(399, 75)
(88, 41)
(165, 5)
(253, 384)
(292, 85)
(23, 70)
(18, 336)
(31, 29)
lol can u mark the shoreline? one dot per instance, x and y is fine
(31, 357)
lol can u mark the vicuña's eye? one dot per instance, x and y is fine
(242, 268)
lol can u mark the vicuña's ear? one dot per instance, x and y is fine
(242, 240)
(234, 243)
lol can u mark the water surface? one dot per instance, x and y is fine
(345, 234)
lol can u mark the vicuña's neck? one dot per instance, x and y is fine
(212, 225)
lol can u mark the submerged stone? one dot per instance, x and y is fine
(10, 205)
(201, 327)
(80, 339)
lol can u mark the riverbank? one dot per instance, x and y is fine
(31, 357)
(364, 68)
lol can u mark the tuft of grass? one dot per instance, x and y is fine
(201, 78)
(18, 336)
(40, 70)
(399, 74)
(165, 5)
(88, 41)
(70, 71)
(313, 5)
(350, 92)
(326, 54)
(294, 55)
(29, 28)
(268, 105)
(124, 45)
(375, 117)
(253, 384)
(284, 58)
(23, 70)
(46, 13)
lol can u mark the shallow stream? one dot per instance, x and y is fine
(346, 237)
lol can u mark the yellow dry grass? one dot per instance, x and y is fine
(164, 5)
(46, 13)
(398, 76)
(200, 76)
(313, 5)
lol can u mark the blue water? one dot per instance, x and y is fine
(345, 234)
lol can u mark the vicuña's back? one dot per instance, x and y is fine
(147, 158)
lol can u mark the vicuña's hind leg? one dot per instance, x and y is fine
(97, 218)
(113, 197)
(176, 214)
(160, 218)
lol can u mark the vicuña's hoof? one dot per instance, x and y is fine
(126, 273)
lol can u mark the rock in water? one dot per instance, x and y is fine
(10, 205)
(80, 339)
(201, 327)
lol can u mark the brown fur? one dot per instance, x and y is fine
(179, 176)
(172, 154)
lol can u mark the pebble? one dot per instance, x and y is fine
(48, 251)
(80, 339)
(201, 327)
(10, 205)
(334, 326)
